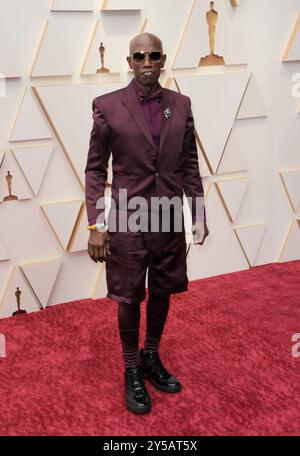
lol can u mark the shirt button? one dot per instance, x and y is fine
(156, 174)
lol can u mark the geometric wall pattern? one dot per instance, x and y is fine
(62, 217)
(34, 162)
(291, 185)
(41, 276)
(12, 180)
(291, 182)
(252, 104)
(233, 158)
(292, 51)
(28, 300)
(111, 5)
(231, 48)
(231, 192)
(9, 67)
(216, 99)
(250, 238)
(57, 102)
(44, 149)
(52, 44)
(291, 245)
(92, 61)
(73, 5)
(29, 123)
(62, 45)
(3, 253)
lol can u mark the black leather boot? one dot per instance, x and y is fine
(137, 398)
(158, 375)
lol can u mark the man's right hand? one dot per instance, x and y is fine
(99, 246)
(200, 232)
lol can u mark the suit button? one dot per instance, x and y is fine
(156, 174)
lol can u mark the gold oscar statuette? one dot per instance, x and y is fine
(212, 58)
(18, 297)
(9, 197)
(102, 51)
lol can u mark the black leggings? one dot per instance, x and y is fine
(129, 323)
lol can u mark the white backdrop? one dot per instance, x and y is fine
(247, 123)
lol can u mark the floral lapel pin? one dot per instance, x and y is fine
(167, 113)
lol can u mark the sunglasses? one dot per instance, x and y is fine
(154, 56)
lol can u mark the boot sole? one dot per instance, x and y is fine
(165, 389)
(138, 411)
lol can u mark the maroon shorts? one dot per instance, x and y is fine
(163, 253)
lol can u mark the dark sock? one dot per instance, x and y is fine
(129, 322)
(156, 312)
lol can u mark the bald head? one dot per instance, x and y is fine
(146, 59)
(145, 39)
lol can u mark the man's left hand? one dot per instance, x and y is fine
(200, 232)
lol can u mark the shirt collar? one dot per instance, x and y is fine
(157, 94)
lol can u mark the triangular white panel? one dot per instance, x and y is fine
(251, 237)
(81, 234)
(215, 102)
(112, 59)
(170, 84)
(52, 58)
(232, 191)
(69, 105)
(73, 5)
(203, 168)
(3, 253)
(122, 5)
(292, 52)
(62, 45)
(252, 104)
(8, 304)
(195, 40)
(62, 218)
(29, 123)
(41, 275)
(201, 259)
(19, 186)
(8, 62)
(34, 162)
(291, 248)
(291, 180)
(233, 159)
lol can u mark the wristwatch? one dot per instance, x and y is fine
(97, 226)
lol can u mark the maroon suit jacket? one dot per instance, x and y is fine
(120, 128)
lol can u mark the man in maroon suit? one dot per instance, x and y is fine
(150, 132)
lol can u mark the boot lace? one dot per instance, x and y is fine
(136, 377)
(156, 364)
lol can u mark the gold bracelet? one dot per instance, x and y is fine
(91, 227)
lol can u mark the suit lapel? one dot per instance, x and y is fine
(135, 109)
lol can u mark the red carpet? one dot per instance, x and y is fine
(228, 339)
